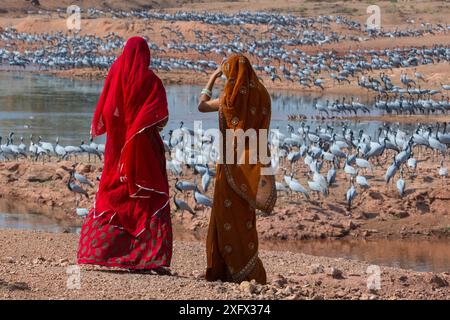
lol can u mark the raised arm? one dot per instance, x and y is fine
(206, 104)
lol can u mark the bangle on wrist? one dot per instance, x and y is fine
(207, 92)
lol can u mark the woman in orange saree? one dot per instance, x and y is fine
(241, 187)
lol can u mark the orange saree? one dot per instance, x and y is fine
(240, 188)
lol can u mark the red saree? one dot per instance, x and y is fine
(129, 225)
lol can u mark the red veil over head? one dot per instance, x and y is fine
(133, 187)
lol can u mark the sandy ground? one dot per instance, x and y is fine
(377, 213)
(34, 265)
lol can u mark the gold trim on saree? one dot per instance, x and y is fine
(269, 204)
(244, 272)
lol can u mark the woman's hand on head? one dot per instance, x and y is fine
(218, 73)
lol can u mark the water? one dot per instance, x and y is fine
(32, 221)
(418, 255)
(22, 216)
(48, 106)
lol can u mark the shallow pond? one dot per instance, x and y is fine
(418, 255)
(21, 216)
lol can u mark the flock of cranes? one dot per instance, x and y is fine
(323, 152)
(45, 150)
(274, 50)
(308, 159)
(342, 150)
(284, 21)
(391, 105)
(391, 99)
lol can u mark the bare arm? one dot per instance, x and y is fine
(209, 106)
(206, 104)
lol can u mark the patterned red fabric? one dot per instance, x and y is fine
(104, 244)
(133, 196)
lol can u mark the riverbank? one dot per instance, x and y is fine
(377, 213)
(33, 265)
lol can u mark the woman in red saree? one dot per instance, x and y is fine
(129, 225)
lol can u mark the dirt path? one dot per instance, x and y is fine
(33, 266)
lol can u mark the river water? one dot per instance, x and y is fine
(47, 106)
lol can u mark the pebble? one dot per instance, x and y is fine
(293, 297)
(38, 260)
(317, 268)
(196, 274)
(12, 167)
(279, 281)
(63, 262)
(8, 260)
(247, 287)
(288, 290)
(438, 282)
(19, 286)
(403, 278)
(351, 225)
(335, 273)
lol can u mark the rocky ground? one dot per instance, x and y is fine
(33, 265)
